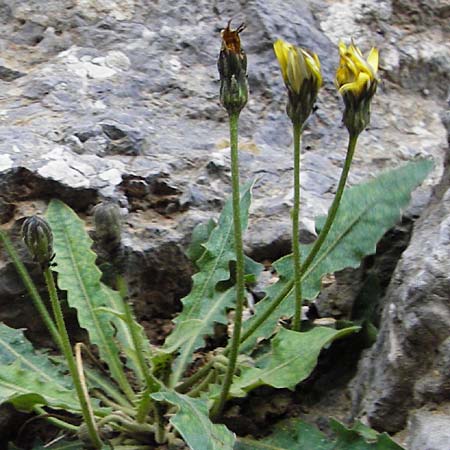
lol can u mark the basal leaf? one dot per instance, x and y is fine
(292, 358)
(299, 435)
(367, 211)
(206, 305)
(293, 434)
(29, 378)
(80, 277)
(193, 424)
(200, 236)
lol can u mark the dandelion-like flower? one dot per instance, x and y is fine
(356, 80)
(302, 77)
(232, 65)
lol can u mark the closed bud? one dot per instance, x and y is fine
(302, 77)
(38, 238)
(232, 65)
(356, 80)
(108, 226)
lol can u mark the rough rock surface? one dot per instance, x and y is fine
(119, 100)
(429, 430)
(409, 366)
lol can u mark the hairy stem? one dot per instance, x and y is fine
(152, 384)
(240, 282)
(295, 230)
(31, 288)
(317, 244)
(55, 421)
(83, 397)
(193, 379)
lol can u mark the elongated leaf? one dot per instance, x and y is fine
(299, 435)
(116, 314)
(367, 211)
(291, 360)
(29, 378)
(200, 236)
(80, 277)
(192, 422)
(205, 305)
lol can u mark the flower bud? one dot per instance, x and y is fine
(232, 65)
(301, 73)
(108, 226)
(38, 237)
(356, 80)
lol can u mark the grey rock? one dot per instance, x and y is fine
(407, 366)
(429, 430)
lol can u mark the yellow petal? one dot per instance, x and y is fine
(342, 48)
(295, 70)
(372, 59)
(357, 86)
(281, 52)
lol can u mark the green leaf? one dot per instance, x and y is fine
(200, 236)
(206, 305)
(299, 435)
(192, 422)
(292, 358)
(292, 434)
(361, 437)
(29, 378)
(80, 277)
(367, 211)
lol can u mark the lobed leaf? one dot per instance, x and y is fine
(193, 423)
(366, 212)
(206, 305)
(80, 277)
(299, 435)
(29, 378)
(291, 360)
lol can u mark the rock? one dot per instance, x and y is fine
(408, 365)
(429, 430)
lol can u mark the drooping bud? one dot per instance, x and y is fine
(38, 238)
(356, 80)
(232, 65)
(301, 74)
(108, 227)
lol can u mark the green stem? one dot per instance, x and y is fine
(86, 407)
(295, 229)
(31, 288)
(240, 282)
(152, 383)
(54, 421)
(317, 244)
(202, 385)
(193, 379)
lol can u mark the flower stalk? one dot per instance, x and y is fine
(296, 231)
(301, 74)
(66, 348)
(240, 281)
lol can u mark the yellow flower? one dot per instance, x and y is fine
(302, 77)
(356, 75)
(356, 80)
(297, 65)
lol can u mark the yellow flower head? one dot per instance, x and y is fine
(301, 74)
(297, 65)
(356, 76)
(356, 80)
